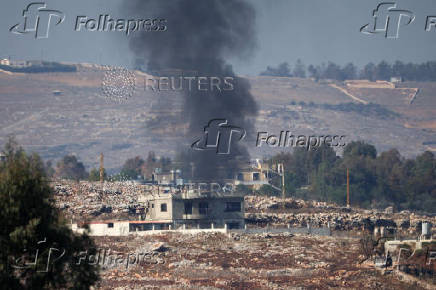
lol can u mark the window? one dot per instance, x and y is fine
(240, 177)
(163, 207)
(110, 225)
(188, 207)
(152, 205)
(203, 207)
(233, 206)
(256, 176)
(232, 226)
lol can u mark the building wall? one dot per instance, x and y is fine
(155, 209)
(215, 214)
(102, 229)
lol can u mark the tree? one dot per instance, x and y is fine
(349, 71)
(375, 181)
(360, 148)
(282, 70)
(383, 71)
(369, 72)
(30, 222)
(49, 169)
(398, 69)
(94, 174)
(313, 72)
(70, 168)
(299, 69)
(132, 167)
(333, 71)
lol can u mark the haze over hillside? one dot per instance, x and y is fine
(56, 114)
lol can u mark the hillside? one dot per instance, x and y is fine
(65, 112)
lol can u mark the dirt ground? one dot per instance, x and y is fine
(237, 261)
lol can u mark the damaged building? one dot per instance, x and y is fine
(195, 209)
(174, 209)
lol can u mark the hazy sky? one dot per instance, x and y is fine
(314, 30)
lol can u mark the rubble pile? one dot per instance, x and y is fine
(88, 200)
(262, 210)
(263, 203)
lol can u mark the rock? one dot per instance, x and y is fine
(160, 248)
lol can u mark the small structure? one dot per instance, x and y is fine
(5, 61)
(426, 231)
(253, 176)
(2, 157)
(172, 177)
(396, 79)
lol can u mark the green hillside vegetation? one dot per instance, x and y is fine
(376, 181)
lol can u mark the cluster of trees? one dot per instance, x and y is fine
(38, 249)
(376, 181)
(382, 71)
(43, 67)
(138, 167)
(69, 167)
(284, 70)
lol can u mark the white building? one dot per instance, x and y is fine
(5, 61)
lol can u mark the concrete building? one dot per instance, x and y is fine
(254, 176)
(195, 209)
(174, 209)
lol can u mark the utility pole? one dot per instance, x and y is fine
(348, 188)
(101, 168)
(281, 169)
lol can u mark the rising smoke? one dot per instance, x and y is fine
(201, 36)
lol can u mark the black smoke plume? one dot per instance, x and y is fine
(201, 36)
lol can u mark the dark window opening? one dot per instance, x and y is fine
(240, 177)
(231, 226)
(256, 176)
(188, 207)
(203, 208)
(163, 207)
(110, 225)
(233, 206)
